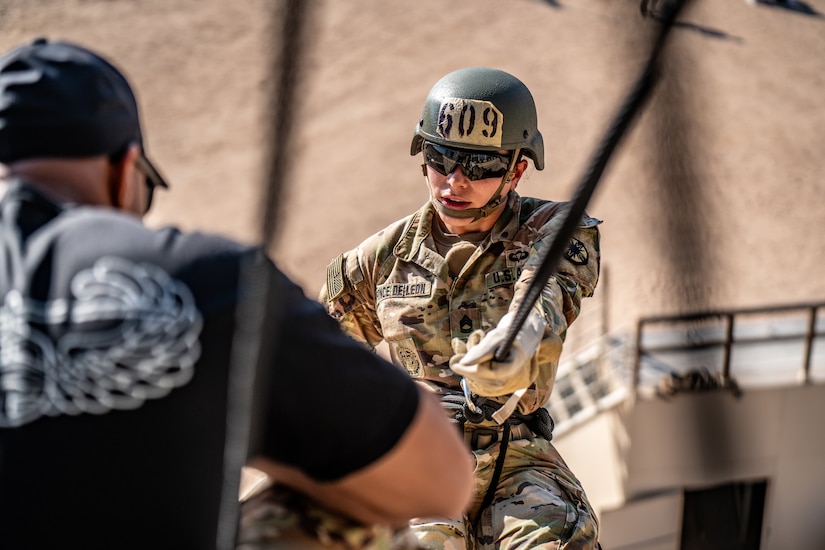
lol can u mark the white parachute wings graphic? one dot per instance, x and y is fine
(129, 334)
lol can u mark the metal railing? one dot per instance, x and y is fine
(722, 331)
(604, 374)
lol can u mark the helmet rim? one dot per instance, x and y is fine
(477, 88)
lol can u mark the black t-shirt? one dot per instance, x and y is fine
(122, 424)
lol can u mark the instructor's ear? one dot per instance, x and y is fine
(125, 181)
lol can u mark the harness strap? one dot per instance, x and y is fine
(491, 489)
(539, 421)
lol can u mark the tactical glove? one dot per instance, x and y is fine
(488, 377)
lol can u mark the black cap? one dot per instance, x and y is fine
(61, 100)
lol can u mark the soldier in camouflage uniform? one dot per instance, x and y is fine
(441, 287)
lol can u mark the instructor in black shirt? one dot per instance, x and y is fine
(124, 419)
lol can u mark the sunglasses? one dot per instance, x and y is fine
(144, 167)
(476, 165)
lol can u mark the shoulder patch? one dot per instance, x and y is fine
(407, 354)
(576, 252)
(335, 278)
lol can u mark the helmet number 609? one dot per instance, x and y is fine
(458, 122)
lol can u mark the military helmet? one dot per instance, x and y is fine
(480, 108)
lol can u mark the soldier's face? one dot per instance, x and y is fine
(457, 192)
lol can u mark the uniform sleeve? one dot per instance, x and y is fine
(560, 300)
(335, 406)
(349, 296)
(575, 278)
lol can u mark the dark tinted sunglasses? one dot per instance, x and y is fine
(476, 165)
(153, 177)
(145, 167)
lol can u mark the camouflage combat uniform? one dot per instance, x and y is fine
(279, 517)
(396, 287)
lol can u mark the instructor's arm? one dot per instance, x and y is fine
(427, 473)
(351, 429)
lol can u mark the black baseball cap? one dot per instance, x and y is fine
(61, 100)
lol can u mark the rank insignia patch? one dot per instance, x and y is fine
(464, 321)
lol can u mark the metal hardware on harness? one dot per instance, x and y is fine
(468, 395)
(476, 437)
(482, 437)
(472, 412)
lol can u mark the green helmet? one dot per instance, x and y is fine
(481, 108)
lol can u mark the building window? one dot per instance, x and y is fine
(725, 517)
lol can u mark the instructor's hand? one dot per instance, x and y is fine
(488, 377)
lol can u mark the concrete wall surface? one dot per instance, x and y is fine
(703, 440)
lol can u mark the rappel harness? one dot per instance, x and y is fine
(482, 409)
(476, 409)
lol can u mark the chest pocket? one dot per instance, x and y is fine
(500, 281)
(405, 308)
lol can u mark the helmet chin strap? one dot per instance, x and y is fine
(495, 201)
(475, 213)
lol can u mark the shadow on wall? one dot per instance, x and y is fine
(793, 5)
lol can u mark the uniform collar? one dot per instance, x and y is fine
(416, 243)
(507, 225)
(417, 231)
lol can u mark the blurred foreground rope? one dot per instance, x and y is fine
(257, 327)
(632, 105)
(294, 23)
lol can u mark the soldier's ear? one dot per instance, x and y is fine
(521, 167)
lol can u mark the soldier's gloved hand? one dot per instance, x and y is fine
(488, 377)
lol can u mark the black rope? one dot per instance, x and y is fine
(633, 103)
(293, 18)
(257, 327)
(491, 488)
(455, 405)
(292, 31)
(540, 423)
